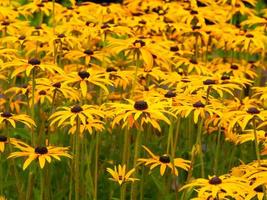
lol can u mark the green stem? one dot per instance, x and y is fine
(96, 164)
(126, 146)
(256, 141)
(77, 160)
(199, 144)
(136, 155)
(122, 191)
(217, 151)
(170, 137)
(137, 61)
(33, 110)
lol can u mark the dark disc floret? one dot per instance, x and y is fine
(174, 48)
(76, 109)
(249, 35)
(193, 61)
(62, 35)
(225, 77)
(234, 67)
(88, 52)
(5, 23)
(140, 105)
(199, 104)
(34, 61)
(170, 94)
(260, 188)
(22, 37)
(141, 42)
(253, 110)
(42, 92)
(209, 82)
(83, 74)
(111, 69)
(6, 114)
(57, 85)
(165, 158)
(41, 150)
(215, 181)
(3, 138)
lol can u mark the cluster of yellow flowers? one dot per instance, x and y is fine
(148, 69)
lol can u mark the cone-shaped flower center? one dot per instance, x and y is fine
(253, 110)
(6, 114)
(34, 61)
(198, 104)
(22, 37)
(76, 109)
(215, 181)
(140, 105)
(235, 67)
(165, 158)
(62, 35)
(170, 94)
(111, 69)
(139, 42)
(57, 85)
(249, 35)
(120, 177)
(209, 82)
(3, 138)
(41, 150)
(193, 61)
(84, 74)
(225, 77)
(88, 52)
(260, 188)
(42, 92)
(5, 23)
(174, 48)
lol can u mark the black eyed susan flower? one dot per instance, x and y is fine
(229, 185)
(70, 114)
(11, 118)
(42, 153)
(3, 142)
(164, 161)
(120, 175)
(140, 112)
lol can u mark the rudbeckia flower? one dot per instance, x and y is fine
(120, 175)
(11, 118)
(42, 153)
(164, 161)
(229, 185)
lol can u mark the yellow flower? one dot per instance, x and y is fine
(164, 161)
(120, 175)
(230, 185)
(41, 153)
(8, 117)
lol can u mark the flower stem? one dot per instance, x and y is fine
(217, 151)
(199, 144)
(136, 155)
(256, 141)
(122, 191)
(77, 160)
(96, 164)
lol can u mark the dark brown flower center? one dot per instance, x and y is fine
(193, 12)
(42, 92)
(209, 82)
(235, 67)
(165, 158)
(253, 110)
(6, 114)
(193, 61)
(198, 104)
(120, 177)
(41, 150)
(57, 85)
(225, 77)
(34, 61)
(215, 181)
(140, 105)
(174, 48)
(40, 5)
(140, 42)
(3, 138)
(76, 109)
(62, 35)
(111, 69)
(170, 94)
(88, 52)
(5, 23)
(260, 188)
(84, 74)
(249, 35)
(22, 37)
